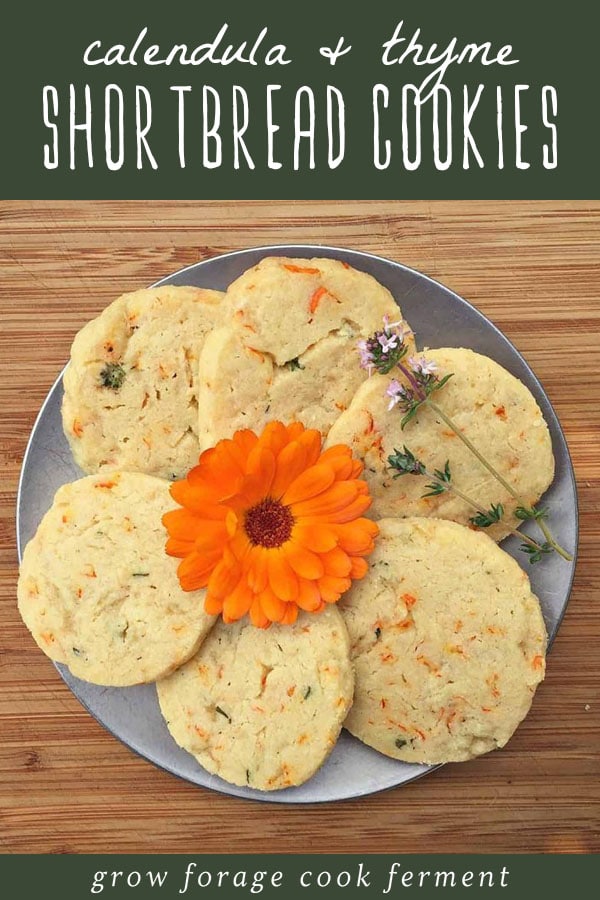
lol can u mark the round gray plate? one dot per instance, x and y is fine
(440, 319)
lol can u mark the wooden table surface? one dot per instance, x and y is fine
(66, 785)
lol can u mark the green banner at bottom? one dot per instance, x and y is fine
(422, 876)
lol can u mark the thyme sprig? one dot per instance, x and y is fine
(405, 463)
(386, 350)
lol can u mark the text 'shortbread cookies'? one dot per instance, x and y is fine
(131, 396)
(447, 640)
(495, 411)
(289, 350)
(97, 590)
(263, 708)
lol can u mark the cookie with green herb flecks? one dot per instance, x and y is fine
(288, 349)
(97, 590)
(263, 708)
(493, 409)
(131, 393)
(447, 640)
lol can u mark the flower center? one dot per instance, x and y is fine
(269, 523)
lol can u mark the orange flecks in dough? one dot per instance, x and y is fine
(47, 637)
(492, 683)
(90, 572)
(291, 690)
(449, 434)
(302, 739)
(501, 412)
(107, 485)
(199, 731)
(316, 299)
(77, 428)
(409, 600)
(79, 593)
(538, 662)
(257, 353)
(301, 270)
(427, 662)
(387, 657)
(370, 424)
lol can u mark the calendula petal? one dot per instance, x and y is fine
(359, 568)
(309, 596)
(304, 562)
(290, 615)
(351, 511)
(273, 608)
(282, 578)
(336, 498)
(213, 605)
(257, 615)
(291, 462)
(238, 602)
(315, 536)
(310, 483)
(257, 571)
(177, 548)
(357, 536)
(337, 563)
(194, 571)
(332, 588)
(223, 579)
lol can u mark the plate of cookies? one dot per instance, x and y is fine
(298, 524)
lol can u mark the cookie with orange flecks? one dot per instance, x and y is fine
(493, 409)
(131, 392)
(288, 349)
(263, 708)
(96, 589)
(447, 640)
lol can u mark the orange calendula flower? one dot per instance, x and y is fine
(270, 524)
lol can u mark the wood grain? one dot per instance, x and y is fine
(66, 785)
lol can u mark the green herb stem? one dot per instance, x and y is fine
(448, 486)
(487, 465)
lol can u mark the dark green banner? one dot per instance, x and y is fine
(430, 99)
(191, 876)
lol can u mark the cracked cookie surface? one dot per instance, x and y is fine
(263, 708)
(131, 389)
(447, 640)
(288, 351)
(97, 590)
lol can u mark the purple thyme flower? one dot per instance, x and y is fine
(384, 349)
(399, 394)
(422, 366)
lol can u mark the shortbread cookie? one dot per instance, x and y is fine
(263, 708)
(492, 408)
(131, 397)
(98, 591)
(447, 640)
(289, 351)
